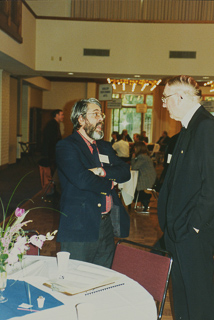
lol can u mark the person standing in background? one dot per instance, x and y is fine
(51, 135)
(163, 141)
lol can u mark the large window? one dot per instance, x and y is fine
(128, 118)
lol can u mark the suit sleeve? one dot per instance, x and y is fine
(117, 170)
(72, 164)
(203, 214)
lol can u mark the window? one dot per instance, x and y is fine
(132, 99)
(11, 18)
(128, 118)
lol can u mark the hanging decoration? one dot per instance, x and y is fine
(134, 83)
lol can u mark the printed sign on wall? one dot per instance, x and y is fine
(105, 92)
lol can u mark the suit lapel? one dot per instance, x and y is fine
(81, 144)
(181, 148)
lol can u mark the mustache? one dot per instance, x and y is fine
(100, 123)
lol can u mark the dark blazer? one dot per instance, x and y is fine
(51, 135)
(186, 199)
(83, 191)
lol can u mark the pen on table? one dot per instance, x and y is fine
(24, 309)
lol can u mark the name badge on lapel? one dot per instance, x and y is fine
(103, 158)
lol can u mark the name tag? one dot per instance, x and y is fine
(169, 157)
(103, 158)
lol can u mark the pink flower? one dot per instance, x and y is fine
(19, 212)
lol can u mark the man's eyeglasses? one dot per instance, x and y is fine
(164, 98)
(98, 115)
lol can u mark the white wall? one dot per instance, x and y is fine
(51, 8)
(141, 48)
(24, 52)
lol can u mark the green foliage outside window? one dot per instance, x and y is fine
(128, 118)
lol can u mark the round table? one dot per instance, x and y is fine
(115, 296)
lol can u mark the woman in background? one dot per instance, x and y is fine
(142, 162)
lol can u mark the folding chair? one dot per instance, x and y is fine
(33, 250)
(151, 269)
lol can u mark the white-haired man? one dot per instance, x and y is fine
(186, 202)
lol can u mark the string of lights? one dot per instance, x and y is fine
(134, 83)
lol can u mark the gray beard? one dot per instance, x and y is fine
(97, 135)
(90, 130)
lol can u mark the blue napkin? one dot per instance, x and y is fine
(17, 293)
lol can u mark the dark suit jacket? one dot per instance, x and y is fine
(51, 135)
(186, 198)
(83, 191)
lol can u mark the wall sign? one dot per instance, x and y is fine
(141, 108)
(105, 92)
(115, 104)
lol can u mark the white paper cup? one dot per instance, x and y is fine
(40, 302)
(62, 262)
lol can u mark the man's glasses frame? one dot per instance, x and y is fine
(97, 115)
(164, 98)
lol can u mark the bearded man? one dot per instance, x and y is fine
(88, 168)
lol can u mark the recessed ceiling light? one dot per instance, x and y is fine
(206, 77)
(137, 76)
(70, 73)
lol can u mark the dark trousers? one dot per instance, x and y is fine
(143, 197)
(100, 252)
(192, 277)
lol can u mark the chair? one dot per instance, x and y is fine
(155, 195)
(151, 269)
(33, 250)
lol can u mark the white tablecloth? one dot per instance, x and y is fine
(124, 299)
(128, 188)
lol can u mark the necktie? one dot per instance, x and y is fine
(95, 155)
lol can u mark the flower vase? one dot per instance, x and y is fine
(3, 282)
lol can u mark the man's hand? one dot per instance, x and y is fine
(98, 171)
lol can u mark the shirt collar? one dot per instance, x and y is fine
(88, 142)
(186, 119)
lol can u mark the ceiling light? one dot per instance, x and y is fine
(133, 86)
(134, 83)
(70, 73)
(137, 76)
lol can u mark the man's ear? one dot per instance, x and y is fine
(81, 120)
